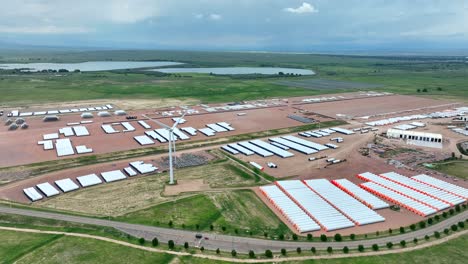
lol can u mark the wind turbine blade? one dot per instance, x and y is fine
(178, 121)
(159, 123)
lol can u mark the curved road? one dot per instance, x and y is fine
(227, 243)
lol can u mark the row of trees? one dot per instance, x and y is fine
(269, 254)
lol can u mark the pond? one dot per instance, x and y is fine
(237, 70)
(89, 65)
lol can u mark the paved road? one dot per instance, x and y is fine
(227, 243)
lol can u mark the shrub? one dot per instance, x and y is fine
(294, 237)
(352, 236)
(360, 248)
(313, 250)
(211, 227)
(402, 229)
(375, 247)
(436, 234)
(323, 238)
(155, 242)
(446, 231)
(346, 250)
(186, 245)
(457, 208)
(454, 228)
(251, 254)
(197, 226)
(218, 251)
(451, 211)
(141, 241)
(171, 244)
(413, 227)
(444, 215)
(415, 240)
(234, 253)
(338, 237)
(390, 231)
(377, 233)
(183, 226)
(389, 245)
(461, 224)
(202, 248)
(170, 224)
(422, 224)
(309, 236)
(430, 221)
(426, 237)
(403, 243)
(281, 237)
(329, 249)
(283, 252)
(268, 253)
(298, 250)
(265, 234)
(223, 228)
(437, 218)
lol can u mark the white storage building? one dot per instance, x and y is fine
(66, 185)
(360, 194)
(295, 215)
(89, 180)
(346, 204)
(423, 188)
(414, 135)
(47, 189)
(321, 211)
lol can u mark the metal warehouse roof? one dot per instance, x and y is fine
(362, 195)
(350, 207)
(295, 215)
(423, 188)
(418, 196)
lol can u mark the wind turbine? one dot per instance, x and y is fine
(171, 143)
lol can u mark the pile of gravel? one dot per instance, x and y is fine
(186, 160)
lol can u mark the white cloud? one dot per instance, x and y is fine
(215, 16)
(304, 8)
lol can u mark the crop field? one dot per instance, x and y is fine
(229, 209)
(130, 195)
(324, 84)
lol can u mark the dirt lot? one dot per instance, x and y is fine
(23, 149)
(375, 105)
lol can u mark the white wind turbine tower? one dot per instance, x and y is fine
(171, 143)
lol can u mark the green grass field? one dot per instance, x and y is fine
(229, 209)
(458, 168)
(19, 247)
(453, 251)
(440, 76)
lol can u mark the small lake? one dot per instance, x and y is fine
(89, 65)
(237, 70)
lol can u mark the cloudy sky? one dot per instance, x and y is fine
(280, 25)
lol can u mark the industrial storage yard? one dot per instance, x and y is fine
(326, 180)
